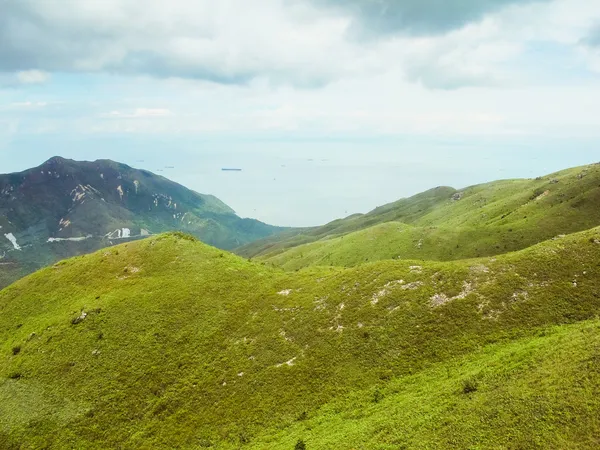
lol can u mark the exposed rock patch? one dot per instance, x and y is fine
(289, 363)
(412, 286)
(80, 318)
(320, 304)
(13, 240)
(384, 291)
(542, 195)
(441, 298)
(479, 268)
(520, 295)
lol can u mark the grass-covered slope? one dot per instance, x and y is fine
(404, 210)
(536, 392)
(169, 343)
(482, 220)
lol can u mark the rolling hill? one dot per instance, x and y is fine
(444, 224)
(169, 343)
(65, 208)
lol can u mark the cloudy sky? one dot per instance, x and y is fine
(329, 106)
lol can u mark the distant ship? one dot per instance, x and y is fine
(230, 169)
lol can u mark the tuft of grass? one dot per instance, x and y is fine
(182, 235)
(377, 396)
(469, 386)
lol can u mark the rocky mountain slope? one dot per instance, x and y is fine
(445, 224)
(168, 343)
(64, 208)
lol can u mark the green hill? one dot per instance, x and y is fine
(444, 224)
(169, 343)
(403, 210)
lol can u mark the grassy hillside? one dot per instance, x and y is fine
(536, 392)
(443, 224)
(167, 343)
(404, 210)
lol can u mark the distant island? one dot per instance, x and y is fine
(230, 169)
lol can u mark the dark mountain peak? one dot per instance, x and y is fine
(109, 163)
(56, 161)
(65, 207)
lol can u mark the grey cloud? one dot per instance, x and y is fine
(28, 42)
(134, 43)
(212, 41)
(593, 39)
(415, 17)
(147, 62)
(18, 79)
(436, 77)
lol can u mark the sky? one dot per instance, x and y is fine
(329, 107)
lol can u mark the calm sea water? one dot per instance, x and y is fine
(306, 182)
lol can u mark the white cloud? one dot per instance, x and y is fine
(33, 77)
(140, 113)
(25, 105)
(202, 67)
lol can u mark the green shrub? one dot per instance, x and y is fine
(536, 194)
(377, 396)
(182, 235)
(470, 385)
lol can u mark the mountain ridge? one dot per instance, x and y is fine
(65, 207)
